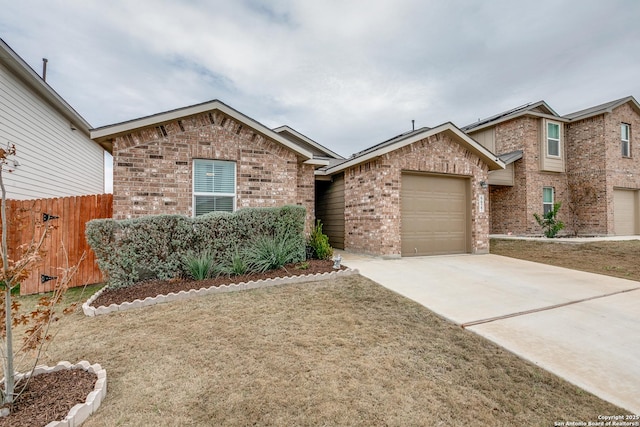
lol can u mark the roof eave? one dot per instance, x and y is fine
(112, 131)
(24, 72)
(515, 116)
(487, 156)
(308, 140)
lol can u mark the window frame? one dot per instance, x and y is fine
(196, 194)
(625, 143)
(549, 204)
(558, 140)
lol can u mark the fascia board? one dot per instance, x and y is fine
(25, 73)
(491, 160)
(519, 114)
(307, 140)
(125, 127)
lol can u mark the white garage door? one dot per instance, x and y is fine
(435, 215)
(625, 212)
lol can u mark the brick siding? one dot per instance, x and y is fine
(512, 208)
(594, 167)
(152, 171)
(372, 193)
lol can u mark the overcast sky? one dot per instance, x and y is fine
(348, 74)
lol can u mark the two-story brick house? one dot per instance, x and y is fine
(584, 160)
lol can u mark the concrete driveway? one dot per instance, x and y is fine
(583, 327)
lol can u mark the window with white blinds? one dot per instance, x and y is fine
(214, 186)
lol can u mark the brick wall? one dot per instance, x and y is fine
(512, 208)
(153, 167)
(372, 193)
(586, 166)
(597, 167)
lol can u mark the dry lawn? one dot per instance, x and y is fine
(343, 352)
(618, 259)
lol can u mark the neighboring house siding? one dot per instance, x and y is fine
(597, 167)
(622, 172)
(372, 193)
(587, 175)
(55, 161)
(513, 207)
(153, 171)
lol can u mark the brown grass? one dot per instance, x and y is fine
(618, 259)
(343, 352)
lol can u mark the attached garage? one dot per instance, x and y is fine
(435, 213)
(421, 193)
(626, 215)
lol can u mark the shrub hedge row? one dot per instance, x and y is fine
(155, 246)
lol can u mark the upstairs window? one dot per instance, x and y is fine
(547, 200)
(553, 139)
(625, 144)
(214, 186)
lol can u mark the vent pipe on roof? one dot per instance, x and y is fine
(44, 69)
(413, 125)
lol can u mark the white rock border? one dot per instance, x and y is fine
(80, 412)
(193, 293)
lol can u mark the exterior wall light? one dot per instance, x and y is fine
(483, 184)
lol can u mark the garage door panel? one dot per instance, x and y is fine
(434, 215)
(625, 212)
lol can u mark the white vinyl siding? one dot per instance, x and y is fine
(55, 161)
(625, 140)
(214, 186)
(547, 199)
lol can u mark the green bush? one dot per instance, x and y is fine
(155, 246)
(549, 221)
(199, 266)
(319, 243)
(272, 252)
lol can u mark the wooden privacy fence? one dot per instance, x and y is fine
(69, 216)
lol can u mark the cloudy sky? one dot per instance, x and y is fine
(346, 73)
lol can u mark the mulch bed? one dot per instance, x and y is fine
(49, 397)
(153, 288)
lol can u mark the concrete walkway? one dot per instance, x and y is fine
(582, 327)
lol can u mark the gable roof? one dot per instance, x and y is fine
(408, 138)
(607, 107)
(306, 142)
(109, 132)
(537, 109)
(22, 71)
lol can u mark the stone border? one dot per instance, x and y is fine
(80, 412)
(193, 293)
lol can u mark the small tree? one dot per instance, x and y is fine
(581, 194)
(38, 322)
(549, 221)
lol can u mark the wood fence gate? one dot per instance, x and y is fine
(69, 215)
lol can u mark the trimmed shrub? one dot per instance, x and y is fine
(319, 243)
(155, 246)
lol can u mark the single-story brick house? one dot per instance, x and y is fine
(209, 157)
(586, 160)
(423, 192)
